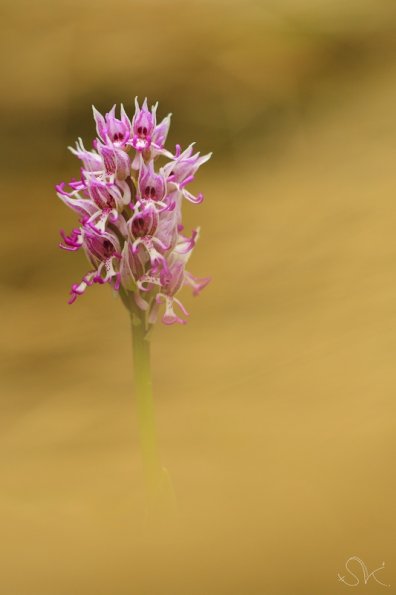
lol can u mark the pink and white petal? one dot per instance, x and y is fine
(100, 123)
(194, 199)
(82, 206)
(125, 119)
(185, 245)
(152, 319)
(170, 316)
(148, 280)
(127, 275)
(140, 302)
(126, 193)
(197, 284)
(79, 288)
(161, 132)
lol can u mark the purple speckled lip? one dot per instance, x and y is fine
(130, 213)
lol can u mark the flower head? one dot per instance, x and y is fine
(130, 212)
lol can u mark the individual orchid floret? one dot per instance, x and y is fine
(100, 246)
(143, 125)
(151, 251)
(96, 201)
(103, 251)
(75, 200)
(182, 171)
(116, 161)
(147, 135)
(170, 316)
(108, 195)
(112, 129)
(144, 222)
(171, 283)
(91, 160)
(129, 206)
(151, 186)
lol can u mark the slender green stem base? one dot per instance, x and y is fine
(145, 404)
(158, 484)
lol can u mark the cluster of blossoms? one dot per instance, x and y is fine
(130, 214)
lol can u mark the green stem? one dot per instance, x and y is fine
(144, 402)
(157, 479)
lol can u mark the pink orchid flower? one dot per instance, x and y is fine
(130, 212)
(112, 129)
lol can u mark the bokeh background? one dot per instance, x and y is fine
(275, 404)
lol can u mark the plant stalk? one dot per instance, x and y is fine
(145, 403)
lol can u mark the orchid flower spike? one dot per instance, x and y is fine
(130, 212)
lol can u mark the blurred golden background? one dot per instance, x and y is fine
(275, 404)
